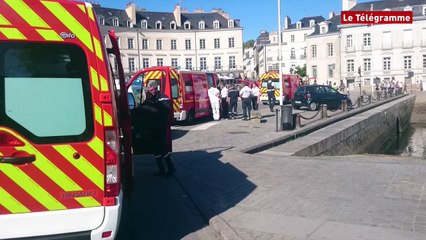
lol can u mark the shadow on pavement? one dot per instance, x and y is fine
(178, 133)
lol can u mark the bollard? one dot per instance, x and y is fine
(379, 95)
(287, 119)
(344, 105)
(323, 111)
(276, 115)
(359, 101)
(369, 99)
(298, 121)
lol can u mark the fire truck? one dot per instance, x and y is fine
(187, 89)
(62, 157)
(290, 83)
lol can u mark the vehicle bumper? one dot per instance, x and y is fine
(180, 116)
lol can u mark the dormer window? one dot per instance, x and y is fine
(144, 24)
(424, 11)
(187, 25)
(173, 25)
(216, 24)
(129, 24)
(101, 20)
(408, 8)
(115, 22)
(201, 25)
(323, 30)
(158, 25)
(311, 23)
(230, 23)
(299, 25)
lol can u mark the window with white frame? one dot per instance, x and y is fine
(131, 64)
(323, 30)
(115, 22)
(231, 42)
(145, 62)
(101, 20)
(160, 62)
(314, 51)
(386, 63)
(188, 63)
(216, 43)
(232, 64)
(202, 43)
(408, 38)
(159, 44)
(350, 65)
(407, 62)
(349, 41)
(217, 63)
(129, 24)
(367, 64)
(173, 44)
(188, 44)
(216, 24)
(174, 62)
(187, 25)
(130, 43)
(173, 25)
(424, 11)
(230, 23)
(203, 63)
(299, 25)
(292, 38)
(292, 53)
(330, 50)
(158, 25)
(367, 39)
(311, 23)
(144, 44)
(201, 25)
(314, 71)
(144, 24)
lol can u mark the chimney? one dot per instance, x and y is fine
(372, 7)
(348, 4)
(131, 12)
(287, 22)
(331, 14)
(177, 14)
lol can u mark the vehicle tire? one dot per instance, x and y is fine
(313, 106)
(191, 117)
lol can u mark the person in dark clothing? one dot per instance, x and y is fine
(233, 95)
(271, 95)
(152, 128)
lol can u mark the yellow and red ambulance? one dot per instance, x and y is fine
(290, 83)
(187, 89)
(60, 146)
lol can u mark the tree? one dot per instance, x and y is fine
(249, 44)
(301, 71)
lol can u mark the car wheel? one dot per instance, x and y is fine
(313, 106)
(190, 118)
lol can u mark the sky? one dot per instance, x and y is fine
(254, 15)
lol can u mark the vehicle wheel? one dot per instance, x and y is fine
(264, 103)
(313, 106)
(191, 117)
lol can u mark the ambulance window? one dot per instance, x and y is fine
(47, 94)
(174, 84)
(188, 83)
(210, 80)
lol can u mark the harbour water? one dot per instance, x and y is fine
(411, 143)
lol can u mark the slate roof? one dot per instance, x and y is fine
(395, 5)
(332, 26)
(164, 17)
(305, 21)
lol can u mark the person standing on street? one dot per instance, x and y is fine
(225, 106)
(233, 101)
(214, 96)
(153, 120)
(255, 98)
(246, 94)
(271, 95)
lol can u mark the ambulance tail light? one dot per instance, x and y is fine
(112, 168)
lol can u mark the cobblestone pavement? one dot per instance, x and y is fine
(247, 196)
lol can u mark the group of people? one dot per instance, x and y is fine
(224, 100)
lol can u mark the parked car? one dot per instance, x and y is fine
(312, 96)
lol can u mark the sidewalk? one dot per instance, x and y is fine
(248, 196)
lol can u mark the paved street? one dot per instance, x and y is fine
(248, 196)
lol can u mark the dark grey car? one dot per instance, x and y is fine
(312, 96)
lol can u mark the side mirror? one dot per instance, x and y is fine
(132, 101)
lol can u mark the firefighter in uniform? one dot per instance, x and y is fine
(271, 95)
(153, 120)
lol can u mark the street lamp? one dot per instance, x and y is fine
(139, 51)
(280, 54)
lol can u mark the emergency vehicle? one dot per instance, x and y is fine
(188, 90)
(60, 146)
(290, 83)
